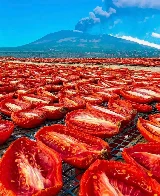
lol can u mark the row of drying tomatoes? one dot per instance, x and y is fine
(34, 169)
(128, 61)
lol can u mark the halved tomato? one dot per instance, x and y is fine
(158, 106)
(47, 94)
(6, 96)
(53, 111)
(149, 130)
(6, 129)
(122, 107)
(105, 96)
(75, 147)
(116, 179)
(35, 99)
(30, 168)
(93, 124)
(7, 106)
(107, 113)
(141, 107)
(155, 118)
(92, 99)
(149, 91)
(72, 103)
(29, 118)
(145, 156)
(135, 96)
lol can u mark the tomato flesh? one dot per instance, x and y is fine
(27, 168)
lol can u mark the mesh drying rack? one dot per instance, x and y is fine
(129, 136)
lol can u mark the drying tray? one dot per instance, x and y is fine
(129, 136)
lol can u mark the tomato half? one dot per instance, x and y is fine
(93, 124)
(7, 106)
(35, 99)
(116, 179)
(75, 147)
(146, 156)
(30, 168)
(53, 111)
(155, 118)
(135, 96)
(105, 96)
(6, 129)
(149, 130)
(72, 103)
(158, 106)
(28, 118)
(141, 107)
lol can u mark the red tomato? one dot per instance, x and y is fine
(53, 111)
(149, 130)
(145, 156)
(92, 99)
(93, 124)
(72, 103)
(28, 118)
(7, 106)
(141, 107)
(105, 96)
(122, 107)
(135, 96)
(75, 147)
(107, 113)
(6, 96)
(116, 178)
(35, 99)
(30, 168)
(155, 118)
(158, 106)
(6, 129)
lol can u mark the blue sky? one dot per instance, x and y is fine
(24, 21)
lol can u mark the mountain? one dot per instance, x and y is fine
(68, 43)
(66, 40)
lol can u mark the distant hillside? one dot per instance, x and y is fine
(76, 41)
(76, 44)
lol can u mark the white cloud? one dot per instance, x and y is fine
(99, 11)
(139, 41)
(138, 3)
(156, 35)
(93, 17)
(118, 21)
(77, 31)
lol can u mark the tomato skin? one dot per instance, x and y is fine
(24, 121)
(6, 96)
(44, 160)
(105, 96)
(6, 132)
(151, 147)
(134, 98)
(8, 111)
(108, 130)
(141, 107)
(72, 103)
(31, 98)
(155, 118)
(56, 113)
(126, 173)
(158, 106)
(145, 132)
(122, 107)
(82, 158)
